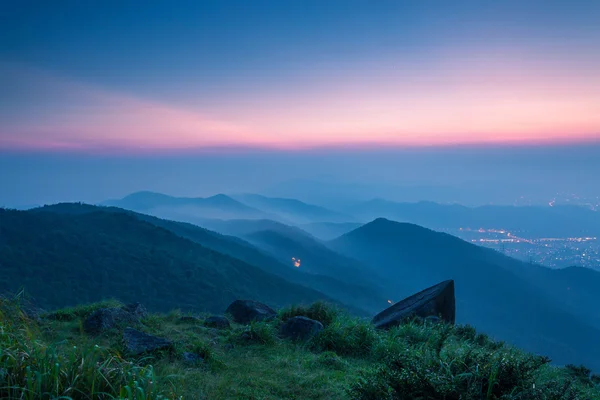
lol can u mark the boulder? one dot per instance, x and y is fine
(108, 318)
(137, 342)
(300, 328)
(437, 301)
(245, 311)
(217, 321)
(105, 319)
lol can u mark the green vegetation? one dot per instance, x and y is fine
(68, 259)
(52, 358)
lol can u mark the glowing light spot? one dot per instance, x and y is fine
(296, 262)
(391, 302)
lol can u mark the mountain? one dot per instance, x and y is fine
(361, 298)
(533, 220)
(491, 294)
(293, 210)
(329, 230)
(186, 208)
(64, 259)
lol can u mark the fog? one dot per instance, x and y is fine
(467, 175)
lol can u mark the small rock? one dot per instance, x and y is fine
(192, 358)
(107, 318)
(137, 342)
(300, 328)
(245, 311)
(217, 321)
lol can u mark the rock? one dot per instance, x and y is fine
(245, 311)
(192, 358)
(217, 321)
(137, 342)
(108, 318)
(436, 301)
(300, 328)
(105, 319)
(136, 309)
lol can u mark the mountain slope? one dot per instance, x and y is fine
(361, 298)
(67, 259)
(314, 256)
(489, 294)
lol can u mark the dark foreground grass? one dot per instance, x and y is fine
(348, 360)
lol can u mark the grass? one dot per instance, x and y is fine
(347, 360)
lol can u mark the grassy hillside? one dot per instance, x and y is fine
(489, 294)
(52, 358)
(67, 259)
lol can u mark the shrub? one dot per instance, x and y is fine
(258, 332)
(347, 336)
(319, 311)
(450, 371)
(83, 311)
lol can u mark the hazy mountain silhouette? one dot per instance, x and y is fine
(66, 259)
(537, 221)
(293, 210)
(243, 227)
(490, 295)
(186, 208)
(329, 230)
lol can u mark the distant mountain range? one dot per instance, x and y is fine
(293, 210)
(536, 221)
(217, 211)
(161, 205)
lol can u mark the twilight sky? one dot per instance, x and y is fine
(136, 76)
(101, 98)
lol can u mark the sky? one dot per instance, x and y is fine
(134, 75)
(222, 84)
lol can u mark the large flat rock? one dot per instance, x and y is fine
(436, 301)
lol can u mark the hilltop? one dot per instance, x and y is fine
(49, 355)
